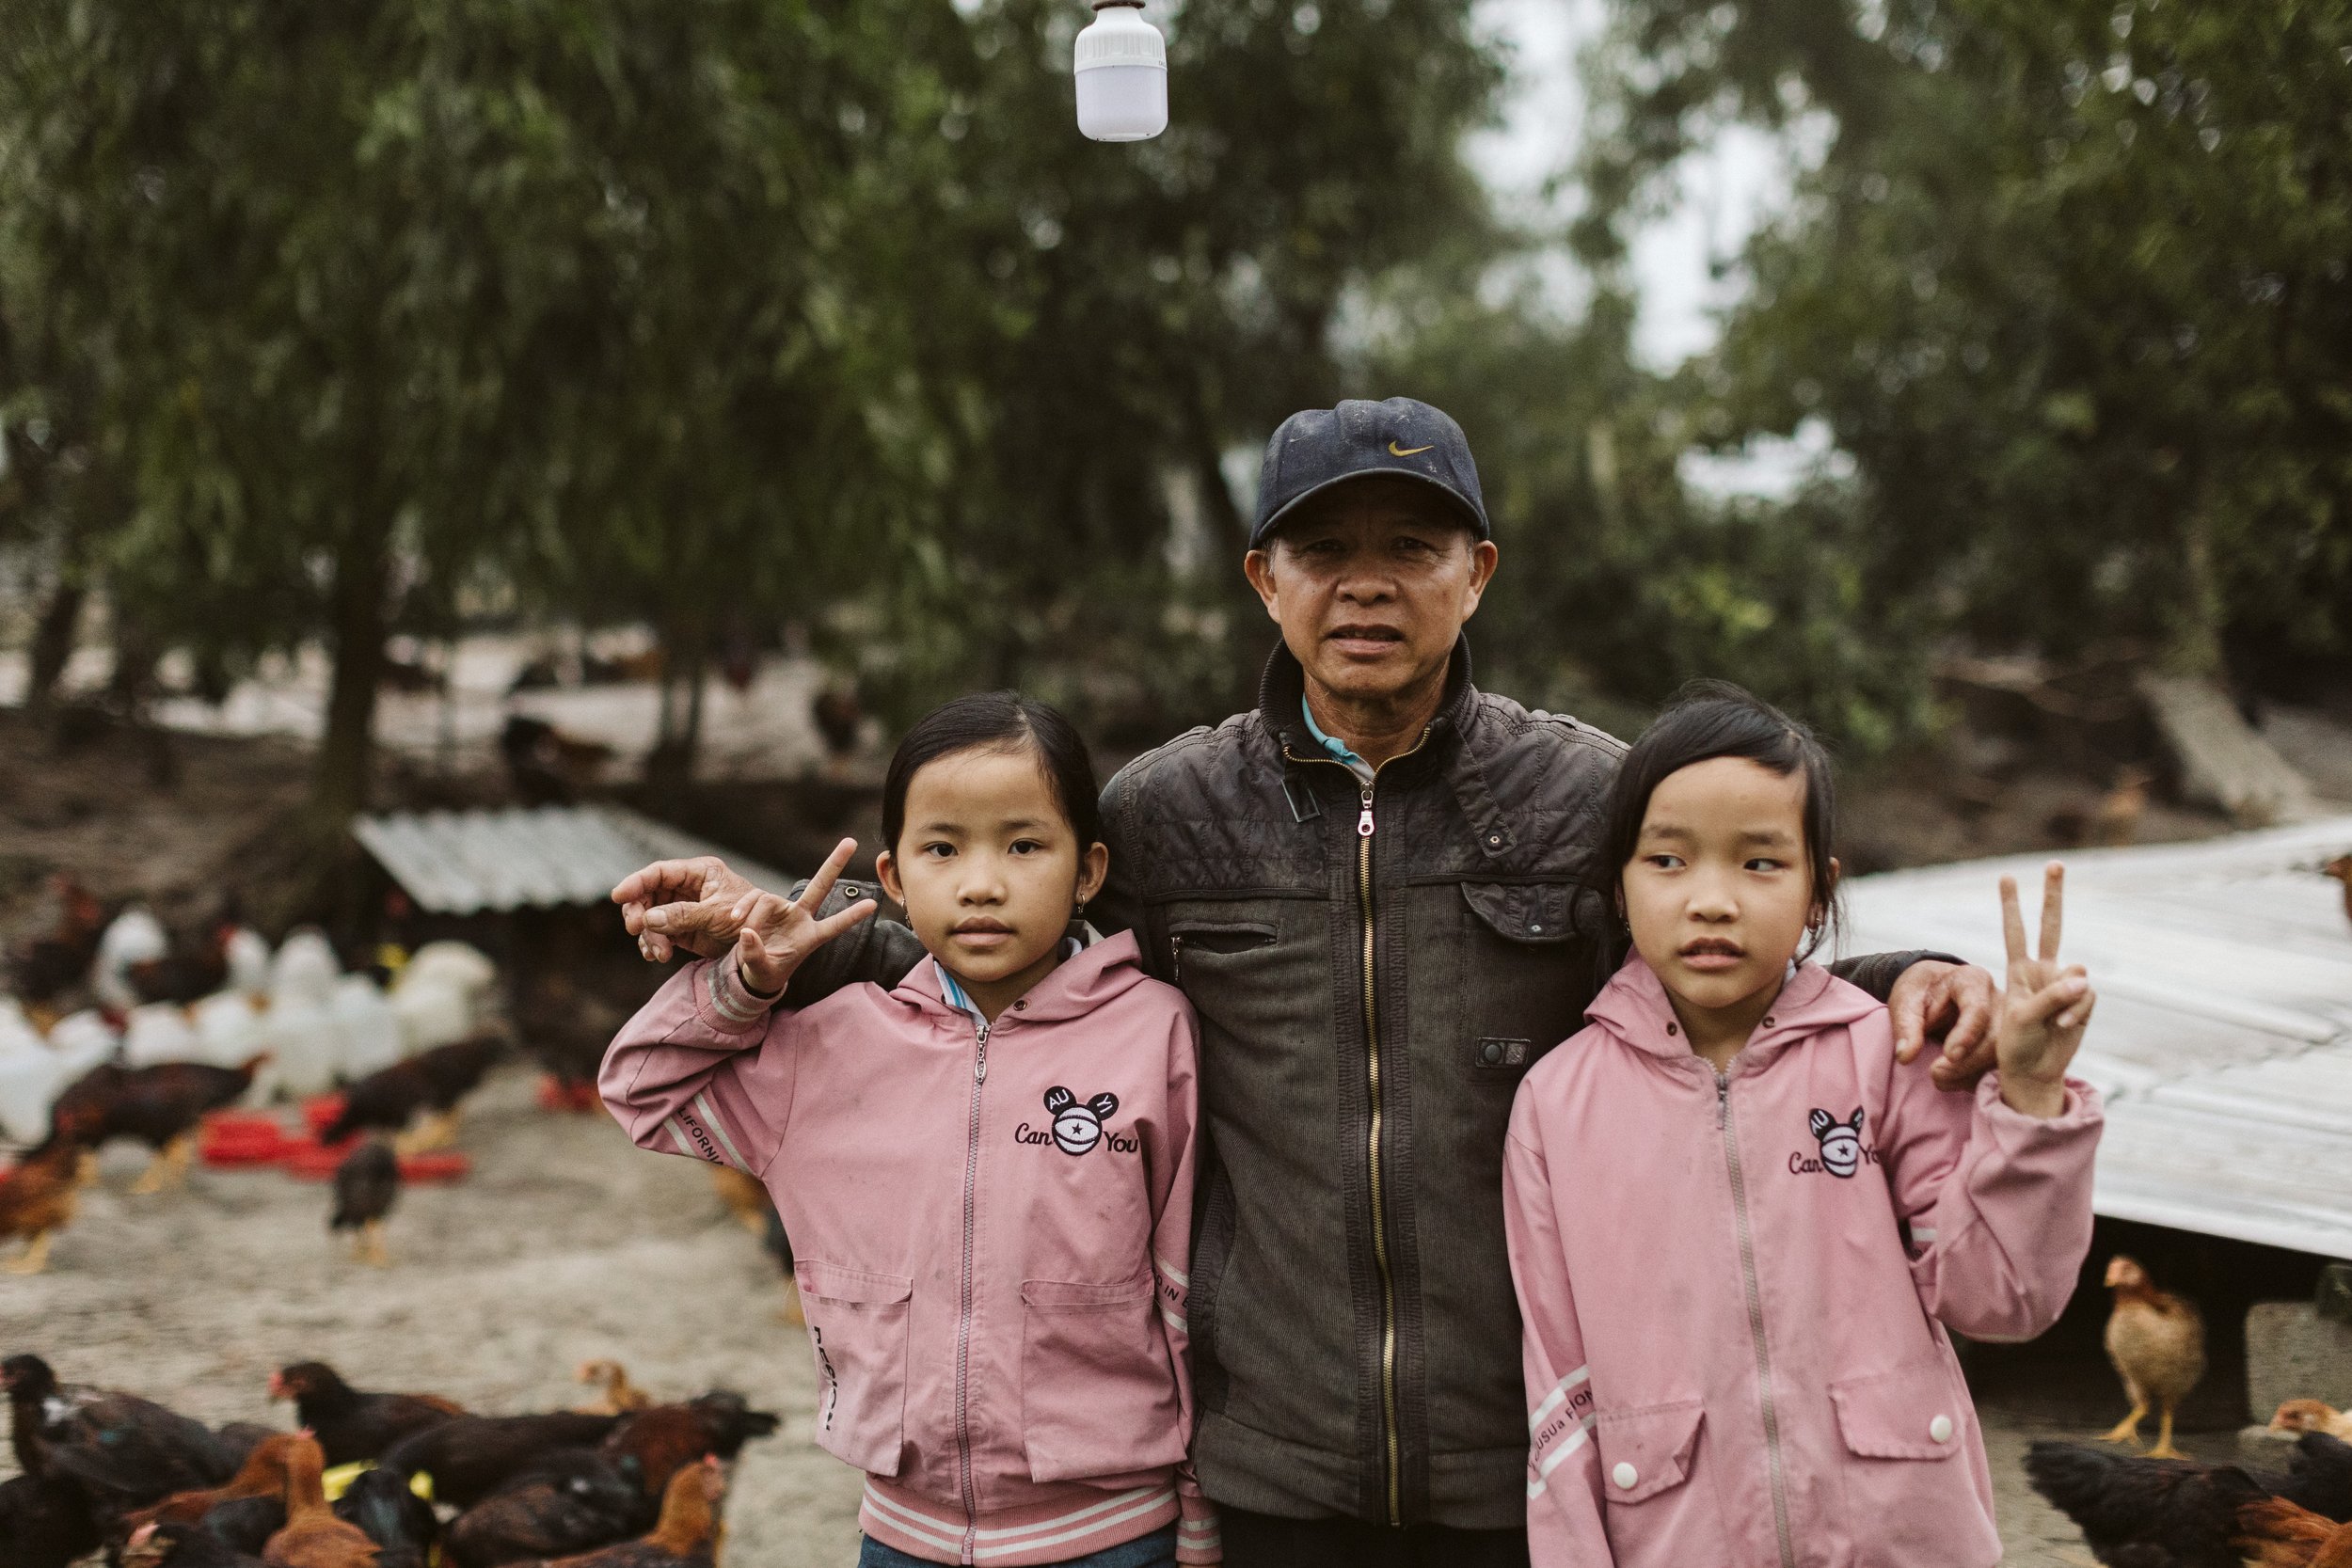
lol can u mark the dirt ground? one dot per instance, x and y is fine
(564, 1243)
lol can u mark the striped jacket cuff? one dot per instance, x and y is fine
(1197, 1538)
(735, 1008)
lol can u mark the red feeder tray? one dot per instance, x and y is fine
(320, 1111)
(308, 1160)
(241, 1138)
(447, 1166)
(557, 1096)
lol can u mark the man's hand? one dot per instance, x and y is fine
(1957, 1005)
(2044, 1007)
(777, 934)
(697, 905)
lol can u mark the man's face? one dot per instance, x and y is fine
(1371, 583)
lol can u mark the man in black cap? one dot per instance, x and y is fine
(1381, 891)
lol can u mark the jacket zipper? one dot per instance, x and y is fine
(1394, 1469)
(963, 1320)
(1755, 1315)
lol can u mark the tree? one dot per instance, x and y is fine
(2069, 284)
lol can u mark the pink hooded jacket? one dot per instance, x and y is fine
(1735, 1289)
(991, 1229)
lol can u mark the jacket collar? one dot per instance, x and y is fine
(1100, 969)
(1282, 690)
(1634, 1008)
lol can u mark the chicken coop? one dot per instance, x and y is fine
(533, 887)
(2223, 1038)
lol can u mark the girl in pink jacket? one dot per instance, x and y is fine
(1740, 1230)
(987, 1173)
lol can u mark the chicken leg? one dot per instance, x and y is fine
(2164, 1449)
(2127, 1430)
(439, 1129)
(36, 1256)
(372, 1249)
(170, 1168)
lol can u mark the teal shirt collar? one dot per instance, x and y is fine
(1339, 749)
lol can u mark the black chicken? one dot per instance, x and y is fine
(352, 1425)
(366, 1185)
(44, 1523)
(402, 1524)
(471, 1457)
(2141, 1513)
(122, 1451)
(569, 1501)
(434, 1080)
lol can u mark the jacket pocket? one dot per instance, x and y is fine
(1907, 1506)
(1098, 1391)
(857, 1325)
(1651, 1511)
(1214, 937)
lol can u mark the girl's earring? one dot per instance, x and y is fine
(1081, 912)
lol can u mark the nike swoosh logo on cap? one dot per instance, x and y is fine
(1395, 451)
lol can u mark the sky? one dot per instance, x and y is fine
(1724, 192)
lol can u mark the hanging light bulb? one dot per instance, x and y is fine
(1122, 69)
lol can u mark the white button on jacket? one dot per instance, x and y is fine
(1625, 1476)
(1941, 1429)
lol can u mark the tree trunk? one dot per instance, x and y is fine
(53, 641)
(357, 603)
(2194, 647)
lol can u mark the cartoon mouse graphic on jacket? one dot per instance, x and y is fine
(1078, 1128)
(1840, 1141)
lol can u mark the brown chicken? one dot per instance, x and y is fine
(2157, 1343)
(37, 1199)
(262, 1475)
(2275, 1533)
(655, 1443)
(688, 1532)
(313, 1537)
(189, 972)
(158, 1105)
(2312, 1416)
(619, 1397)
(746, 1197)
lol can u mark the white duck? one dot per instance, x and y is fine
(443, 994)
(31, 1076)
(301, 1029)
(157, 1033)
(133, 937)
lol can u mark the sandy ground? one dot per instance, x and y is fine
(566, 1244)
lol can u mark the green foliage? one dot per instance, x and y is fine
(2071, 286)
(1617, 585)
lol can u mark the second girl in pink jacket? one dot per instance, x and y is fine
(1739, 1228)
(986, 1173)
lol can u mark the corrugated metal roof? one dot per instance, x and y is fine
(468, 862)
(2223, 1039)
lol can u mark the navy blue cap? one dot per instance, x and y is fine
(1317, 448)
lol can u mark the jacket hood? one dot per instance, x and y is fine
(1102, 970)
(1635, 1006)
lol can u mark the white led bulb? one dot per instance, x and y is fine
(1122, 70)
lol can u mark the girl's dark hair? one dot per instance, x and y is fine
(1715, 719)
(997, 721)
